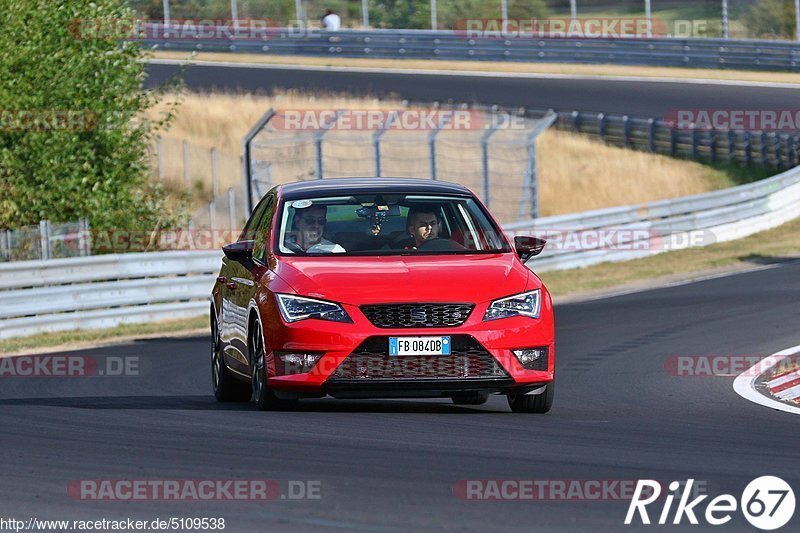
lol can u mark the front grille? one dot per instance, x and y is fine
(371, 360)
(417, 315)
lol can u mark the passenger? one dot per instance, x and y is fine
(309, 224)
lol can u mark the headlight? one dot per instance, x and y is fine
(296, 308)
(525, 304)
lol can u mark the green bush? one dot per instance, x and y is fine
(99, 169)
(771, 19)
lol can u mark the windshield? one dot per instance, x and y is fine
(387, 224)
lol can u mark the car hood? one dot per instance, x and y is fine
(388, 279)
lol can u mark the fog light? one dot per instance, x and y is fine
(533, 358)
(291, 363)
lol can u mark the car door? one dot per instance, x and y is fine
(234, 280)
(244, 278)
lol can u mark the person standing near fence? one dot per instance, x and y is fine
(331, 21)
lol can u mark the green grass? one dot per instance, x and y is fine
(58, 338)
(766, 247)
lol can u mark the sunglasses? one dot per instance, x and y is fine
(319, 221)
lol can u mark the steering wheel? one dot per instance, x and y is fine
(438, 243)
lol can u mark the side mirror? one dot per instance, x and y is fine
(527, 247)
(241, 251)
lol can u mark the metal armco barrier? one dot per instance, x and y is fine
(103, 291)
(457, 45)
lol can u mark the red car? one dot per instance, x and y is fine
(380, 288)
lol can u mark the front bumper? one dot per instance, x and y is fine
(339, 341)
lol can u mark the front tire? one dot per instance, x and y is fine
(539, 403)
(226, 387)
(262, 395)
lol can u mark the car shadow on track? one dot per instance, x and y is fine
(207, 403)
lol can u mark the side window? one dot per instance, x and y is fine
(248, 232)
(261, 233)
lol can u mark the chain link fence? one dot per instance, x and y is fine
(493, 154)
(46, 241)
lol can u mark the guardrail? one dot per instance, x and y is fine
(767, 148)
(461, 45)
(103, 291)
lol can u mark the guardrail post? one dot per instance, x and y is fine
(673, 141)
(576, 121)
(601, 126)
(764, 149)
(748, 148)
(694, 143)
(712, 142)
(44, 238)
(651, 134)
(185, 147)
(776, 144)
(731, 145)
(626, 131)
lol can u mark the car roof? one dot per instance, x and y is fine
(337, 186)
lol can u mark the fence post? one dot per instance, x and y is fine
(318, 141)
(576, 121)
(694, 143)
(790, 155)
(764, 149)
(626, 130)
(231, 208)
(651, 134)
(376, 145)
(83, 230)
(44, 238)
(601, 126)
(485, 162)
(5, 245)
(212, 215)
(432, 144)
(185, 165)
(776, 143)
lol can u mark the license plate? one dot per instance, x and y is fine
(419, 345)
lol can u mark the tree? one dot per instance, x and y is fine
(772, 18)
(73, 138)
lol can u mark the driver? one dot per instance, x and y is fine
(422, 225)
(310, 225)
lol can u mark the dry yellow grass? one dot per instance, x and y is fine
(576, 173)
(495, 66)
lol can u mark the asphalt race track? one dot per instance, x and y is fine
(392, 465)
(645, 98)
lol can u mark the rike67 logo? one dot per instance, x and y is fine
(767, 503)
